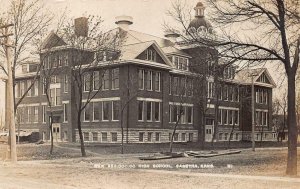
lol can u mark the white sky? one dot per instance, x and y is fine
(148, 16)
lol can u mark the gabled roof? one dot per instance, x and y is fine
(132, 51)
(245, 76)
(53, 40)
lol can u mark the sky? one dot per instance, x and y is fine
(148, 16)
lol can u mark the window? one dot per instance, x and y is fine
(115, 110)
(191, 137)
(105, 110)
(230, 115)
(220, 117)
(236, 136)
(140, 110)
(189, 87)
(210, 90)
(225, 93)
(105, 80)
(52, 97)
(157, 137)
(148, 75)
(59, 61)
(34, 114)
(114, 137)
(24, 68)
(149, 111)
(36, 88)
(65, 113)
(86, 113)
(22, 88)
(96, 80)
(225, 112)
(104, 137)
(58, 97)
(151, 55)
(220, 136)
(66, 60)
(86, 136)
(141, 137)
(28, 86)
(157, 81)
(176, 136)
(183, 138)
(149, 137)
(190, 115)
(141, 79)
(156, 111)
(87, 82)
(66, 84)
(115, 78)
(95, 136)
(96, 113)
(44, 82)
(236, 117)
(175, 85)
(44, 113)
(226, 136)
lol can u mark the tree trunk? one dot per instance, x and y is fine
(82, 148)
(292, 127)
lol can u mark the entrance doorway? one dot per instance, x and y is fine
(209, 130)
(56, 132)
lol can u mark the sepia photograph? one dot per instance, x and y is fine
(149, 94)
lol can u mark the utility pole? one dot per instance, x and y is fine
(9, 91)
(253, 110)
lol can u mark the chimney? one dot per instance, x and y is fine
(124, 22)
(81, 26)
(171, 35)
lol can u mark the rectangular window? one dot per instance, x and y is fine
(115, 78)
(114, 137)
(157, 137)
(115, 110)
(66, 60)
(96, 80)
(157, 81)
(149, 111)
(86, 113)
(65, 113)
(183, 138)
(28, 86)
(35, 114)
(140, 110)
(225, 117)
(44, 82)
(58, 97)
(176, 136)
(226, 136)
(22, 88)
(141, 79)
(105, 80)
(190, 115)
(175, 85)
(220, 116)
(52, 97)
(148, 75)
(105, 111)
(44, 113)
(87, 82)
(36, 88)
(236, 117)
(191, 137)
(66, 84)
(151, 55)
(104, 137)
(95, 136)
(149, 137)
(230, 115)
(189, 87)
(96, 113)
(156, 111)
(86, 136)
(141, 137)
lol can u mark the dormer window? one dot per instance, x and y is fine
(229, 72)
(151, 55)
(181, 63)
(24, 68)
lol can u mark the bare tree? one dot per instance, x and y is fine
(31, 21)
(274, 38)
